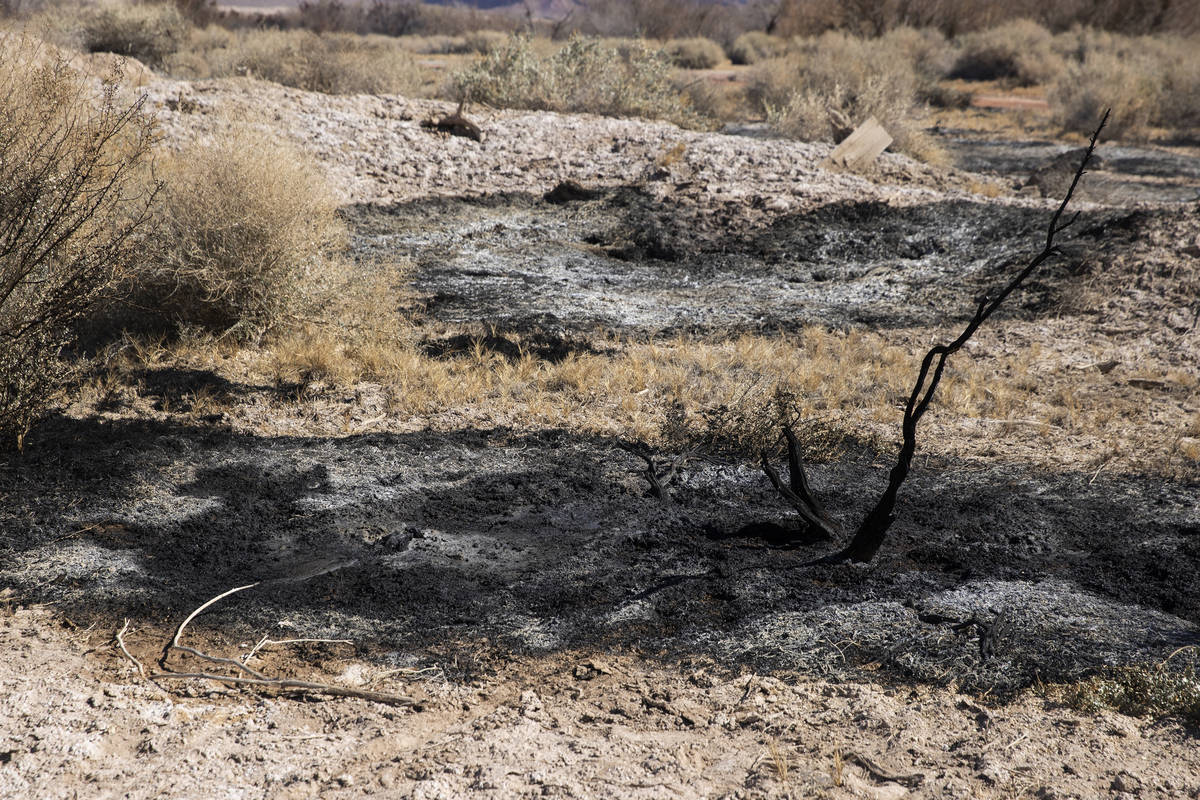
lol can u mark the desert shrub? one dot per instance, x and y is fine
(1130, 87)
(583, 76)
(695, 53)
(926, 49)
(1178, 105)
(334, 63)
(1148, 82)
(834, 82)
(72, 199)
(483, 42)
(755, 46)
(245, 231)
(1140, 691)
(1021, 50)
(433, 45)
(148, 32)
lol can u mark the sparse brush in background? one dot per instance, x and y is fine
(583, 76)
(1021, 50)
(149, 32)
(1130, 87)
(695, 53)
(1148, 82)
(483, 42)
(246, 232)
(834, 82)
(72, 199)
(334, 63)
(755, 46)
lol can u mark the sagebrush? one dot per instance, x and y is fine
(246, 232)
(73, 198)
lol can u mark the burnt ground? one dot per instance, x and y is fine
(504, 558)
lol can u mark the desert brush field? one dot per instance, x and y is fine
(393, 398)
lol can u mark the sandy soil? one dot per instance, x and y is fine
(562, 633)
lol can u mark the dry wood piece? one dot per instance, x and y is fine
(862, 146)
(871, 532)
(248, 676)
(912, 781)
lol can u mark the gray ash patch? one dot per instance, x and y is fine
(423, 545)
(637, 260)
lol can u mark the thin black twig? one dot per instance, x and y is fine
(871, 532)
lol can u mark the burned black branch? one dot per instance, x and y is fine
(658, 479)
(871, 532)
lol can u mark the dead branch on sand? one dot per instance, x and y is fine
(247, 676)
(871, 532)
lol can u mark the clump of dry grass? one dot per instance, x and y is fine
(483, 42)
(334, 63)
(1143, 691)
(583, 76)
(246, 233)
(833, 83)
(72, 201)
(694, 53)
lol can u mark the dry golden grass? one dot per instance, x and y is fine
(724, 397)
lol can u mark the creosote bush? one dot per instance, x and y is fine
(247, 236)
(583, 76)
(73, 197)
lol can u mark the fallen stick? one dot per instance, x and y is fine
(256, 679)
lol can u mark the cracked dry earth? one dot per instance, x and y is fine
(562, 634)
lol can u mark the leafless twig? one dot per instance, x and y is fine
(121, 644)
(256, 679)
(871, 532)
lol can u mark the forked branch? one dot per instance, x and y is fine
(871, 532)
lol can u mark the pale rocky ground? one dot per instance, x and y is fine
(563, 635)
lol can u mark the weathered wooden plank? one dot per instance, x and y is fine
(862, 146)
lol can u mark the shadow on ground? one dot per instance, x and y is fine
(422, 544)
